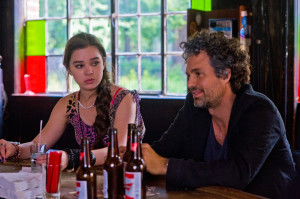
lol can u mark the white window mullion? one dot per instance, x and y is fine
(46, 27)
(116, 17)
(89, 16)
(69, 78)
(139, 46)
(165, 75)
(69, 20)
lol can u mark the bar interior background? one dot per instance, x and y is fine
(274, 58)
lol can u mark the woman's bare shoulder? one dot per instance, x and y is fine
(64, 101)
(114, 88)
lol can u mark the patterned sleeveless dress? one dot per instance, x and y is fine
(84, 130)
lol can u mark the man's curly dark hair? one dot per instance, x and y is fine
(223, 53)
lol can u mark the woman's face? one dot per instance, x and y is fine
(86, 66)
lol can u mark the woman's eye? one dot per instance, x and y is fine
(95, 63)
(78, 66)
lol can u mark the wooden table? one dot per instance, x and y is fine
(155, 186)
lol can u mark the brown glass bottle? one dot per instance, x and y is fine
(134, 171)
(128, 153)
(86, 180)
(113, 169)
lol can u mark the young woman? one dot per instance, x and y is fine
(97, 106)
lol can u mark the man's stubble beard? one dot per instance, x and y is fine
(205, 102)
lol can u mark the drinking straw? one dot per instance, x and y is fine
(53, 171)
(56, 172)
(49, 172)
(41, 125)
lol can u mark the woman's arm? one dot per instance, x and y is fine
(125, 114)
(49, 135)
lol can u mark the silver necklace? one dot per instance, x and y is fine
(85, 106)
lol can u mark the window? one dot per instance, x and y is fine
(141, 38)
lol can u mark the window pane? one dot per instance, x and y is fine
(101, 7)
(101, 29)
(79, 25)
(128, 34)
(150, 34)
(178, 5)
(127, 6)
(35, 38)
(108, 65)
(57, 8)
(42, 8)
(56, 74)
(36, 69)
(148, 6)
(35, 9)
(74, 86)
(176, 79)
(128, 76)
(79, 8)
(57, 36)
(151, 73)
(176, 31)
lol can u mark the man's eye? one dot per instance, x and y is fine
(198, 74)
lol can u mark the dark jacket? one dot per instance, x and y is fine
(258, 159)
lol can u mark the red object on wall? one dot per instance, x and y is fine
(36, 68)
(21, 77)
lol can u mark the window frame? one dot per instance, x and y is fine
(114, 18)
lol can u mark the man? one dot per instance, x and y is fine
(226, 133)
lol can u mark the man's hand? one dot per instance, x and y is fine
(122, 150)
(155, 164)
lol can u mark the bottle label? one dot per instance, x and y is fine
(133, 147)
(81, 156)
(124, 167)
(133, 185)
(81, 189)
(105, 184)
(244, 22)
(242, 33)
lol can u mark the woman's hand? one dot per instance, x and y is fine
(6, 150)
(42, 159)
(64, 160)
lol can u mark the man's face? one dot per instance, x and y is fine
(207, 89)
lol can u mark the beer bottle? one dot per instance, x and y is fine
(134, 171)
(113, 169)
(86, 180)
(128, 153)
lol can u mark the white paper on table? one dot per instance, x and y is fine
(20, 185)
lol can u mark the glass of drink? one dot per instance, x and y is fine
(36, 150)
(51, 175)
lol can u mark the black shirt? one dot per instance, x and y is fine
(214, 150)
